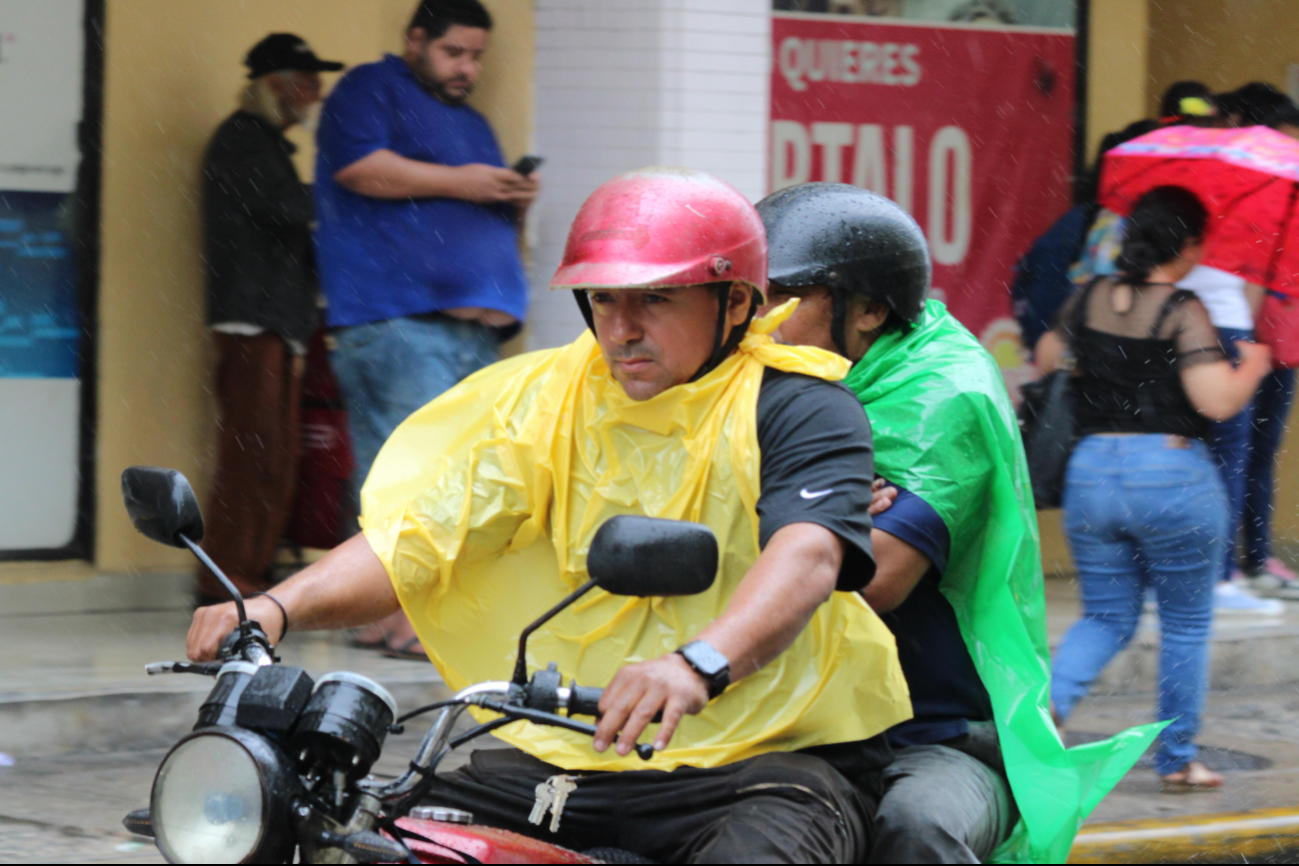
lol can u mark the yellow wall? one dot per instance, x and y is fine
(1116, 67)
(173, 70)
(1223, 43)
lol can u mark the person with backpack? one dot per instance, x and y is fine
(1143, 500)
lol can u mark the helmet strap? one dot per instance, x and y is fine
(723, 349)
(838, 321)
(584, 304)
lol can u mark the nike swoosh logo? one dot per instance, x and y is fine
(814, 494)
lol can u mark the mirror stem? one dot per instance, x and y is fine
(521, 664)
(220, 575)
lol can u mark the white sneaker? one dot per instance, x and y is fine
(1231, 598)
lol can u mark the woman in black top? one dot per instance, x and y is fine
(1144, 503)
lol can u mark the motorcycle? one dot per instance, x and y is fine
(278, 764)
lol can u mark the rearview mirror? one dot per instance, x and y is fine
(650, 556)
(162, 505)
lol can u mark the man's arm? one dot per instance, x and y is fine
(386, 174)
(348, 587)
(898, 568)
(794, 575)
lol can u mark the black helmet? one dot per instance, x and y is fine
(851, 241)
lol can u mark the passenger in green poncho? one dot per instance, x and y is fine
(980, 772)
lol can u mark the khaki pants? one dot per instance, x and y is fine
(258, 389)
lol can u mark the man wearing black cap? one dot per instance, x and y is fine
(261, 306)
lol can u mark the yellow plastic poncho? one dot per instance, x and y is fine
(483, 504)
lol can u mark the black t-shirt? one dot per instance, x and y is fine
(817, 466)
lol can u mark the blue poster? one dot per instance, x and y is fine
(40, 321)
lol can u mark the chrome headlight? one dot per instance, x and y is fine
(222, 795)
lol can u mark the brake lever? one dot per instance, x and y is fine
(207, 669)
(540, 717)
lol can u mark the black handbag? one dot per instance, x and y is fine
(1046, 424)
(1046, 421)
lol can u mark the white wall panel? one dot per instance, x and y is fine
(628, 83)
(38, 462)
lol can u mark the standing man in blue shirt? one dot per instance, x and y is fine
(417, 241)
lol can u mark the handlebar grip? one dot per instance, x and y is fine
(584, 700)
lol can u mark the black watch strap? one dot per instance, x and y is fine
(710, 664)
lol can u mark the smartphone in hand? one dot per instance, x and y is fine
(528, 164)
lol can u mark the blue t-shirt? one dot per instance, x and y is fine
(386, 258)
(946, 692)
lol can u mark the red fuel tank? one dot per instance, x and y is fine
(485, 844)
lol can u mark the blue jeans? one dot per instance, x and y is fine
(1271, 407)
(1139, 512)
(1230, 441)
(386, 370)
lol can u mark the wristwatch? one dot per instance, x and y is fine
(709, 664)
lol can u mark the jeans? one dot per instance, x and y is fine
(940, 806)
(386, 370)
(1140, 512)
(1230, 441)
(1271, 407)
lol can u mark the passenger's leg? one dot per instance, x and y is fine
(940, 806)
(1183, 527)
(1109, 575)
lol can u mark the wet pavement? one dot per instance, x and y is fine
(87, 728)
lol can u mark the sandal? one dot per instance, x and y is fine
(378, 635)
(1193, 778)
(412, 650)
(358, 642)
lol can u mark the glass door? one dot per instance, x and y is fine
(44, 335)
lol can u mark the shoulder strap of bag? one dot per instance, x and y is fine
(1172, 302)
(1077, 320)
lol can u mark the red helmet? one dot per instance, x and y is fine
(661, 227)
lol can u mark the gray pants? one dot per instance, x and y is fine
(940, 806)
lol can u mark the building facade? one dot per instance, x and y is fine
(597, 87)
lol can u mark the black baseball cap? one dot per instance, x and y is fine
(284, 51)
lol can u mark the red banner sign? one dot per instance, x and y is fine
(969, 128)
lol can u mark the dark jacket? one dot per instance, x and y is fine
(258, 216)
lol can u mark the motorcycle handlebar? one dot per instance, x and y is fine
(584, 700)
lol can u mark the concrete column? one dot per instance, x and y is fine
(622, 84)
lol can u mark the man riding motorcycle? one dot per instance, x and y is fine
(774, 689)
(959, 579)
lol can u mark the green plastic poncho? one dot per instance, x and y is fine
(945, 430)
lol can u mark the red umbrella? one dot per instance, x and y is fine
(1247, 178)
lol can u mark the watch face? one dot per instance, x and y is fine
(705, 659)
